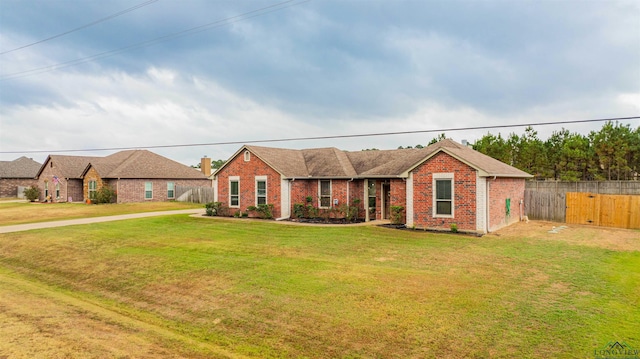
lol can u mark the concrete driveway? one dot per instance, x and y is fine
(73, 222)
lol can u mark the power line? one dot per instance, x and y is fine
(328, 137)
(212, 25)
(83, 26)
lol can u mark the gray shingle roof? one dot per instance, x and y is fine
(143, 164)
(139, 164)
(22, 167)
(334, 163)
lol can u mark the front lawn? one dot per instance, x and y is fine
(201, 287)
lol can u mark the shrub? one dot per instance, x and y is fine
(32, 193)
(396, 214)
(216, 209)
(265, 211)
(298, 210)
(454, 227)
(105, 195)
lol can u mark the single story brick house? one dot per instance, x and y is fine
(438, 185)
(136, 176)
(15, 174)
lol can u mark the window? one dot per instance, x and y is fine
(93, 186)
(148, 190)
(325, 193)
(443, 195)
(261, 190)
(171, 190)
(234, 192)
(372, 196)
(57, 190)
(46, 189)
(247, 156)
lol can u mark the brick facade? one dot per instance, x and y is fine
(247, 171)
(70, 188)
(133, 190)
(9, 186)
(343, 190)
(500, 190)
(464, 193)
(471, 194)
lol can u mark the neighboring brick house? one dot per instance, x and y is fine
(136, 176)
(438, 185)
(16, 174)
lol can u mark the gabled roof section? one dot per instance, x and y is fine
(486, 166)
(68, 166)
(333, 163)
(142, 164)
(22, 167)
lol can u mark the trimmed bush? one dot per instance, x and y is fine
(32, 193)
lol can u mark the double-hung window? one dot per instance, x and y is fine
(443, 195)
(93, 187)
(148, 190)
(171, 190)
(261, 190)
(325, 193)
(234, 192)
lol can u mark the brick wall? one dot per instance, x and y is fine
(133, 190)
(301, 189)
(9, 186)
(398, 196)
(464, 193)
(499, 190)
(247, 171)
(46, 178)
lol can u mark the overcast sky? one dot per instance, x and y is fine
(304, 69)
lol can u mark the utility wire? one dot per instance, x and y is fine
(327, 137)
(83, 26)
(212, 25)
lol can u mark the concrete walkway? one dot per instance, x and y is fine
(73, 222)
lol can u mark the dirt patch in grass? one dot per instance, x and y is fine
(616, 239)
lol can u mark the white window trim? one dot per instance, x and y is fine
(145, 191)
(320, 193)
(444, 176)
(172, 189)
(247, 156)
(234, 179)
(266, 189)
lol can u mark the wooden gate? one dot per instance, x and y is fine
(603, 210)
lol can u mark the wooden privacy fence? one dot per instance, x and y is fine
(622, 211)
(194, 194)
(544, 206)
(601, 187)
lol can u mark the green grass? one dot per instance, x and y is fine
(269, 290)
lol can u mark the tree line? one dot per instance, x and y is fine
(612, 153)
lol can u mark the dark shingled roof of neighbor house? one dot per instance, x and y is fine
(141, 164)
(334, 163)
(22, 167)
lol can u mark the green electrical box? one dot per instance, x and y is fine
(508, 206)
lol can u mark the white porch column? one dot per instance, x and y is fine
(409, 199)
